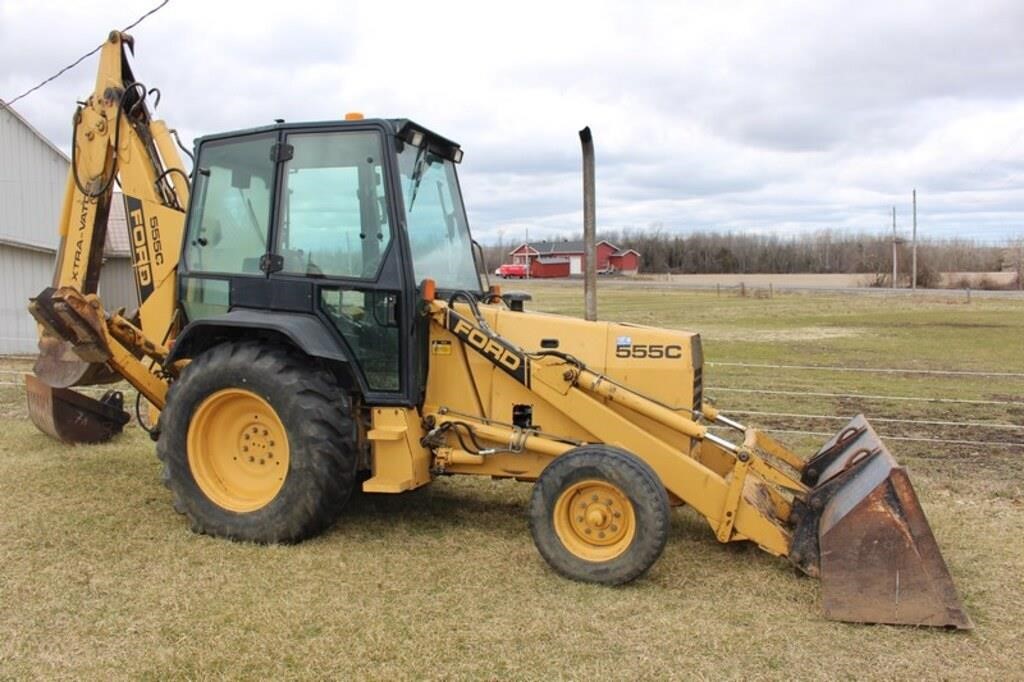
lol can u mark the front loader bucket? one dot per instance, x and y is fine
(863, 531)
(73, 417)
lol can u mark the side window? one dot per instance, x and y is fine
(334, 218)
(369, 322)
(205, 297)
(228, 229)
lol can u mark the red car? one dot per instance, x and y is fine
(507, 270)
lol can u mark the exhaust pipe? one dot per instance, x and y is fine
(589, 227)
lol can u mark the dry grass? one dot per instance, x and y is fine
(101, 579)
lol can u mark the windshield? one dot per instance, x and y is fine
(438, 229)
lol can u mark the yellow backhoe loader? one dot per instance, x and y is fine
(311, 319)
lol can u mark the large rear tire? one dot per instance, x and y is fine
(599, 514)
(257, 444)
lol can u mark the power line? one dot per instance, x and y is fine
(81, 59)
(911, 439)
(889, 420)
(863, 396)
(880, 370)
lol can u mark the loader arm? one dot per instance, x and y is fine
(847, 515)
(115, 138)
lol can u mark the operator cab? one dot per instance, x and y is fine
(332, 222)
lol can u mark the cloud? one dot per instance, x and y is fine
(783, 117)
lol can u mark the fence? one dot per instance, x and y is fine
(1015, 431)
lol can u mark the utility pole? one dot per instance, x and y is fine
(913, 248)
(1020, 265)
(895, 269)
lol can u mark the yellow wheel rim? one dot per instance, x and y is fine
(595, 520)
(238, 450)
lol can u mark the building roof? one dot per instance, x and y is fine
(623, 252)
(34, 173)
(564, 247)
(24, 122)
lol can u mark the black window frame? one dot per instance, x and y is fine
(394, 273)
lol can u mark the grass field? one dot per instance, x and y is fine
(99, 578)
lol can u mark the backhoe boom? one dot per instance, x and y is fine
(115, 138)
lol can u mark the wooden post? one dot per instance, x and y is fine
(895, 268)
(1020, 265)
(913, 248)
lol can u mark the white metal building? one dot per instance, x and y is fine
(33, 172)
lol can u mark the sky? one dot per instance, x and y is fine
(767, 117)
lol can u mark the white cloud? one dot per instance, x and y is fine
(745, 115)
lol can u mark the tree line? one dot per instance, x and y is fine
(818, 252)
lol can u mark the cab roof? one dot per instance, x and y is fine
(402, 128)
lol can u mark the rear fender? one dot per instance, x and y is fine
(305, 332)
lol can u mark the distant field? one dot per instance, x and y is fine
(823, 281)
(101, 579)
(804, 281)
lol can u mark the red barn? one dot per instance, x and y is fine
(549, 267)
(627, 262)
(609, 257)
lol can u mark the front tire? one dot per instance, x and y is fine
(257, 444)
(599, 514)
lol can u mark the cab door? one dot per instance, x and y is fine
(335, 235)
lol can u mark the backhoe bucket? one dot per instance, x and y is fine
(72, 352)
(862, 530)
(73, 417)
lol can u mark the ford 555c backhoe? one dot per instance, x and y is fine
(311, 319)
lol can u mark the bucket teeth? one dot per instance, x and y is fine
(861, 529)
